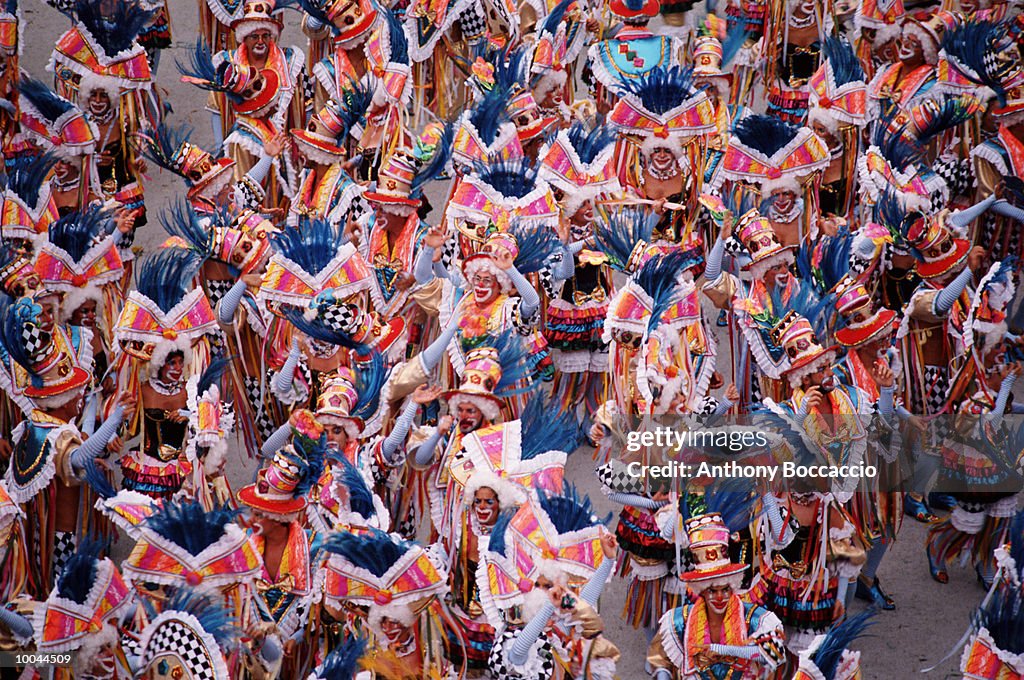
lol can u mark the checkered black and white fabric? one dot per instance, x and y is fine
(342, 317)
(63, 549)
(216, 289)
(539, 666)
(34, 340)
(180, 640)
(473, 21)
(264, 425)
(936, 386)
(616, 478)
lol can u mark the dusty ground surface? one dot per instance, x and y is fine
(929, 618)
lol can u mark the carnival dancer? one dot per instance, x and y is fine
(349, 31)
(878, 27)
(288, 583)
(180, 546)
(49, 452)
(546, 566)
(395, 589)
(162, 330)
(829, 656)
(979, 465)
(580, 166)
(28, 205)
(911, 76)
(695, 641)
(99, 65)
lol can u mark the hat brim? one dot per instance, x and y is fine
(810, 358)
(216, 176)
(781, 251)
(395, 327)
(305, 140)
(248, 496)
(79, 378)
(468, 393)
(537, 129)
(881, 324)
(267, 96)
(929, 270)
(375, 197)
(697, 575)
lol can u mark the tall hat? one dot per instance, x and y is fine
(499, 194)
(580, 164)
(325, 135)
(890, 164)
(191, 637)
(54, 375)
(101, 50)
(885, 17)
(633, 10)
(309, 260)
(559, 41)
(838, 92)
(665, 108)
(169, 148)
(181, 544)
(531, 248)
(516, 457)
(491, 372)
(829, 656)
(709, 545)
(352, 19)
(79, 258)
(281, 489)
(774, 154)
(393, 578)
(257, 15)
(249, 90)
(804, 353)
(164, 313)
(861, 325)
(984, 52)
(758, 237)
(28, 206)
(935, 247)
(90, 596)
(929, 26)
(348, 396)
(986, 323)
(240, 240)
(405, 172)
(553, 532)
(485, 132)
(10, 28)
(53, 122)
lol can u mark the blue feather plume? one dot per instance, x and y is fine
(893, 143)
(179, 219)
(846, 67)
(360, 498)
(617, 235)
(513, 178)
(396, 36)
(163, 143)
(343, 661)
(26, 175)
(834, 262)
(435, 166)
(311, 245)
(805, 302)
(659, 279)
(79, 573)
(187, 524)
(733, 499)
(317, 330)
(536, 247)
(115, 26)
(569, 511)
(202, 72)
(734, 41)
(165, 277)
(489, 115)
(952, 112)
(318, 10)
(313, 453)
(46, 101)
(839, 638)
(767, 134)
(554, 19)
(17, 315)
(516, 368)
(589, 144)
(356, 98)
(78, 231)
(375, 550)
(547, 427)
(661, 89)
(97, 480)
(370, 378)
(973, 43)
(213, 374)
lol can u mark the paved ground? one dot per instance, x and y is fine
(930, 617)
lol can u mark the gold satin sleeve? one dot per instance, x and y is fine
(428, 297)
(657, 657)
(66, 443)
(922, 307)
(408, 377)
(722, 290)
(588, 618)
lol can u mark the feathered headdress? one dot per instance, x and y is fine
(79, 257)
(499, 193)
(248, 89)
(986, 325)
(28, 207)
(656, 295)
(498, 368)
(664, 107)
(181, 544)
(829, 656)
(624, 236)
(405, 173)
(838, 91)
(211, 420)
(984, 53)
(343, 661)
(170, 149)
(485, 132)
(580, 164)
(54, 122)
(281, 489)
(774, 154)
(308, 260)
(890, 162)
